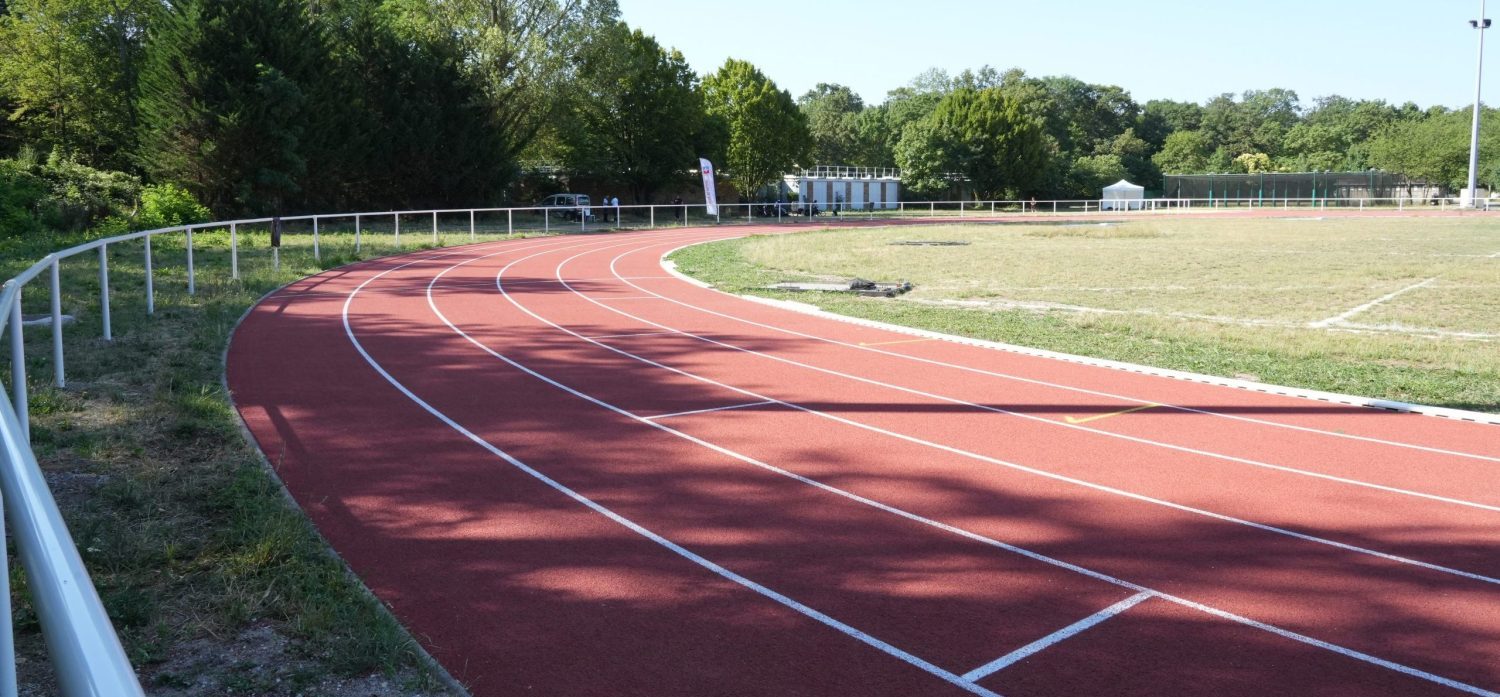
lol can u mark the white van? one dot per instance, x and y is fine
(569, 206)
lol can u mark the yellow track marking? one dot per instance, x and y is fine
(1087, 419)
(888, 343)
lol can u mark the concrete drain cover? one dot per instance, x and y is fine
(929, 243)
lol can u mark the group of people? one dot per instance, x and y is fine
(607, 203)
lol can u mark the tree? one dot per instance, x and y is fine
(68, 68)
(1437, 148)
(229, 96)
(522, 53)
(832, 113)
(1185, 152)
(982, 135)
(1094, 172)
(767, 132)
(637, 113)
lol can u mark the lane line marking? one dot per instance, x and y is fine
(1322, 323)
(985, 458)
(706, 411)
(887, 343)
(1184, 602)
(1122, 412)
(626, 336)
(722, 572)
(1056, 637)
(1035, 353)
(1062, 424)
(632, 297)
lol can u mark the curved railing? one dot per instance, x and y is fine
(84, 648)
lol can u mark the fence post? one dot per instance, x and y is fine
(18, 371)
(434, 227)
(150, 282)
(192, 273)
(653, 216)
(317, 248)
(7, 635)
(397, 217)
(510, 221)
(471, 224)
(234, 251)
(104, 291)
(57, 345)
(546, 221)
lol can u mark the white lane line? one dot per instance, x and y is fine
(1377, 301)
(960, 532)
(1052, 422)
(1079, 360)
(968, 454)
(706, 411)
(722, 572)
(1056, 637)
(633, 297)
(616, 336)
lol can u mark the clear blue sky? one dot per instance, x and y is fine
(1396, 50)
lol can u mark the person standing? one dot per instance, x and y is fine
(677, 208)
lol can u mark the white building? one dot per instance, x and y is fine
(848, 188)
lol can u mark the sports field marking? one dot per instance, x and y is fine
(635, 297)
(1362, 308)
(761, 403)
(888, 343)
(1030, 417)
(1222, 614)
(722, 572)
(1122, 412)
(1080, 360)
(1056, 637)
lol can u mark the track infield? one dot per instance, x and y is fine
(571, 473)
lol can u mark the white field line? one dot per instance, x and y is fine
(747, 405)
(1056, 637)
(1033, 417)
(1222, 614)
(1362, 308)
(722, 572)
(623, 336)
(1316, 395)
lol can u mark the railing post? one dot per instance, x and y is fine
(234, 251)
(192, 273)
(471, 225)
(546, 220)
(434, 227)
(317, 248)
(653, 216)
(59, 377)
(397, 218)
(356, 234)
(7, 632)
(150, 283)
(18, 369)
(510, 221)
(104, 291)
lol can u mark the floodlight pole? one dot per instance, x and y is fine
(1481, 24)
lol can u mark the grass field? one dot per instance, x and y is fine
(1400, 308)
(215, 582)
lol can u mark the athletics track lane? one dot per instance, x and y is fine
(420, 513)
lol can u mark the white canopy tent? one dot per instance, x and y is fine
(1123, 196)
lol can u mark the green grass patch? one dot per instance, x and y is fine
(1236, 298)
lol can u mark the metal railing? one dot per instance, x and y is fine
(84, 648)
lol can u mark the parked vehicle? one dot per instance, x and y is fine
(569, 206)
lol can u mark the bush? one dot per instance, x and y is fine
(20, 193)
(165, 205)
(60, 194)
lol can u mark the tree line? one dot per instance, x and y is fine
(268, 106)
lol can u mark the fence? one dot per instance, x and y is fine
(85, 651)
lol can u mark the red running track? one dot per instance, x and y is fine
(571, 473)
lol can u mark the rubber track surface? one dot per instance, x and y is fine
(569, 472)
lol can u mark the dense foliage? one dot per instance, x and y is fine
(270, 106)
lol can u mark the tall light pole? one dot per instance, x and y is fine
(1481, 24)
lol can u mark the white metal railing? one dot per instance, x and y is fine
(86, 652)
